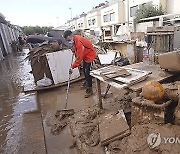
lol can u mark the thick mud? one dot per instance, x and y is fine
(69, 133)
(56, 126)
(137, 143)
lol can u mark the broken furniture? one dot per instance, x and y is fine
(134, 82)
(53, 64)
(113, 126)
(170, 60)
(59, 64)
(161, 38)
(145, 111)
(109, 73)
(128, 77)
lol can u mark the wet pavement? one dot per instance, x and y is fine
(13, 102)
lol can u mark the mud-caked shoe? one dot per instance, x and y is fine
(89, 92)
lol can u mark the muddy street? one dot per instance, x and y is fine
(32, 122)
(102, 81)
(23, 129)
(13, 103)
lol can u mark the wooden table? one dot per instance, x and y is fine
(157, 74)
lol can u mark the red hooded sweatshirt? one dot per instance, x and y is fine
(84, 50)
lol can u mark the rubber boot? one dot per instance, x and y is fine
(89, 92)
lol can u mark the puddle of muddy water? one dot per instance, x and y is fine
(13, 103)
(51, 101)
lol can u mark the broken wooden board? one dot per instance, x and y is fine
(32, 88)
(157, 74)
(60, 63)
(115, 72)
(134, 77)
(112, 127)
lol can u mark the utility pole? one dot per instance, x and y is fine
(71, 11)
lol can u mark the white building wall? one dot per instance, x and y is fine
(173, 6)
(90, 20)
(81, 23)
(142, 27)
(118, 10)
(136, 4)
(74, 24)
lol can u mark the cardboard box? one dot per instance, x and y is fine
(170, 60)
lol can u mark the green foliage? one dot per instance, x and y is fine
(30, 30)
(147, 11)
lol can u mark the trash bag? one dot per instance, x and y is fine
(44, 82)
(121, 61)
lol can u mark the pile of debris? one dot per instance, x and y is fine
(95, 130)
(36, 53)
(38, 59)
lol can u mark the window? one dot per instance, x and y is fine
(106, 18)
(81, 24)
(148, 3)
(133, 10)
(112, 16)
(109, 17)
(93, 21)
(89, 22)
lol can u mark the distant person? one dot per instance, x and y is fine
(21, 40)
(84, 51)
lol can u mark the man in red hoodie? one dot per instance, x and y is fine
(84, 51)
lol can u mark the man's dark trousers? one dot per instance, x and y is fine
(88, 77)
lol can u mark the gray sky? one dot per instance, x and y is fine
(43, 12)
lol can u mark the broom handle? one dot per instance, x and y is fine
(68, 86)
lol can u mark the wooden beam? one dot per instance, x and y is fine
(52, 86)
(98, 86)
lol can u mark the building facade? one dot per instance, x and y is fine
(113, 14)
(93, 19)
(133, 5)
(119, 12)
(173, 6)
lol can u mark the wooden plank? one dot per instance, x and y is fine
(113, 126)
(115, 73)
(33, 89)
(52, 64)
(158, 33)
(157, 74)
(98, 86)
(117, 85)
(136, 75)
